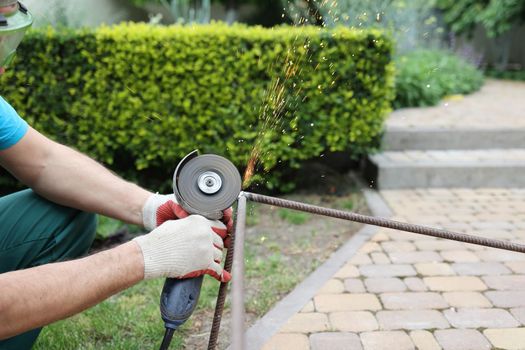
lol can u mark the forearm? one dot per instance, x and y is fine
(38, 296)
(73, 179)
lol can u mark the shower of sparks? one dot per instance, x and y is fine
(271, 111)
(277, 97)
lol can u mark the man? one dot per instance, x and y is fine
(39, 226)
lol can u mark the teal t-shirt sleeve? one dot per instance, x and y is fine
(12, 127)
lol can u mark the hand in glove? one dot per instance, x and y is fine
(184, 248)
(161, 208)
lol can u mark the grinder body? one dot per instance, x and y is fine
(204, 185)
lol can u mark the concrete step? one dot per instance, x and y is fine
(400, 139)
(452, 168)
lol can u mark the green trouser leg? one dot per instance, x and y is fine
(33, 232)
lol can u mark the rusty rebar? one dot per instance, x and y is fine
(223, 291)
(238, 313)
(396, 225)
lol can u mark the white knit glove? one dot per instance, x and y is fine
(160, 208)
(184, 248)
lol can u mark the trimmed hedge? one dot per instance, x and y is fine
(424, 77)
(139, 97)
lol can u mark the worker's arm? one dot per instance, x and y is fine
(36, 297)
(182, 248)
(67, 177)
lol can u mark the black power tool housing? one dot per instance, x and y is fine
(204, 185)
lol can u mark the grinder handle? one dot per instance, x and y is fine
(178, 300)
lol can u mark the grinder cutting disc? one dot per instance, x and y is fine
(206, 185)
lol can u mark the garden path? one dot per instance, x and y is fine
(407, 291)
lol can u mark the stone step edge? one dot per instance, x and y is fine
(380, 161)
(445, 174)
(396, 138)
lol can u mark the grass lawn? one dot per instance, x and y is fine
(282, 248)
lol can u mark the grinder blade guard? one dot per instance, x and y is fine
(206, 185)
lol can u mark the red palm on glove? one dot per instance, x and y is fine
(161, 208)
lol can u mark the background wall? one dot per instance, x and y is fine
(493, 49)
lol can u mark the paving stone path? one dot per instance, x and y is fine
(498, 104)
(406, 291)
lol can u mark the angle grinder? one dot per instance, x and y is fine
(205, 185)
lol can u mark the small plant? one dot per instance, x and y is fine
(424, 77)
(348, 204)
(107, 226)
(252, 216)
(293, 217)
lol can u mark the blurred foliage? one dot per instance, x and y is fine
(508, 75)
(199, 11)
(183, 11)
(413, 23)
(496, 16)
(138, 98)
(424, 77)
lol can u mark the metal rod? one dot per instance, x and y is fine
(238, 313)
(396, 225)
(221, 297)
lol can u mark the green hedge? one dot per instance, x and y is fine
(424, 77)
(139, 97)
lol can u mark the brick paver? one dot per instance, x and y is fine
(411, 319)
(354, 285)
(519, 314)
(511, 339)
(388, 284)
(346, 302)
(406, 291)
(334, 286)
(335, 341)
(288, 341)
(434, 269)
(461, 339)
(466, 299)
(424, 340)
(480, 269)
(353, 321)
(307, 323)
(506, 299)
(415, 284)
(447, 284)
(386, 341)
(480, 318)
(411, 300)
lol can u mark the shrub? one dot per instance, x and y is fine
(424, 77)
(138, 98)
(506, 74)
